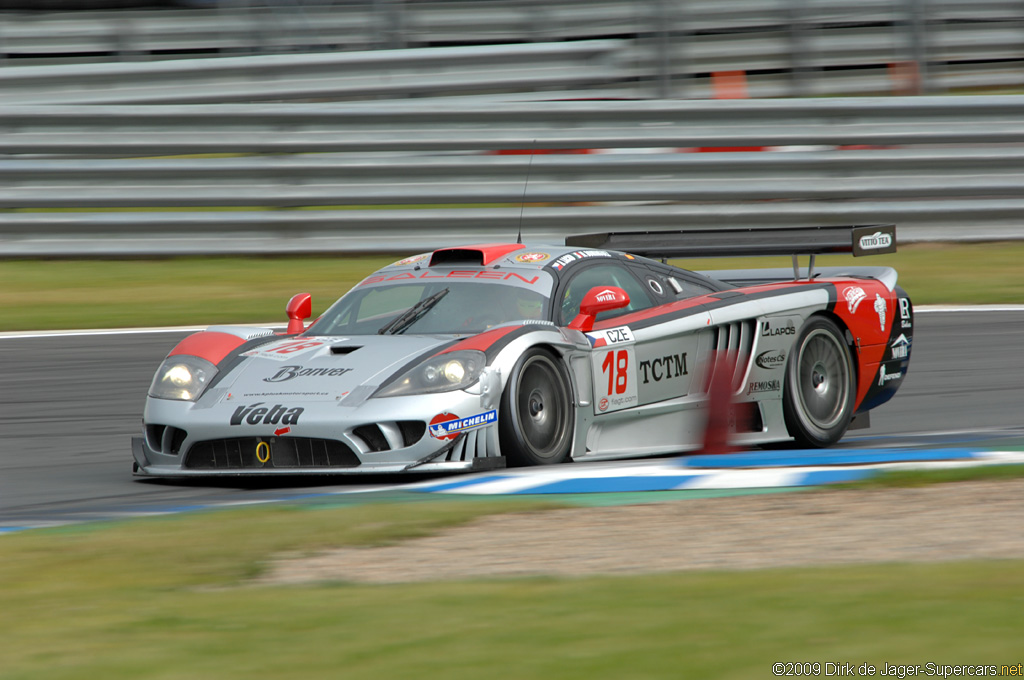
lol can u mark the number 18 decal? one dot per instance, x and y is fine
(283, 350)
(614, 378)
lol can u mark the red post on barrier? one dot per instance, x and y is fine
(720, 405)
(904, 78)
(729, 85)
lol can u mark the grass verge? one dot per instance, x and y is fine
(890, 479)
(166, 599)
(42, 295)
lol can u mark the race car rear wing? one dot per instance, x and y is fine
(871, 239)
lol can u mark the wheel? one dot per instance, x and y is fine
(535, 426)
(818, 397)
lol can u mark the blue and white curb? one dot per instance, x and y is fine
(746, 470)
(735, 471)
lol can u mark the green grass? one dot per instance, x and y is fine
(41, 295)
(889, 479)
(169, 599)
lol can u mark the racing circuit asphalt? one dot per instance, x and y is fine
(69, 405)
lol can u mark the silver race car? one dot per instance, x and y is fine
(489, 355)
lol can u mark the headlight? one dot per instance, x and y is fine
(443, 373)
(182, 377)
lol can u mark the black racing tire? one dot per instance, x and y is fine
(819, 393)
(535, 426)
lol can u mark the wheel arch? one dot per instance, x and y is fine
(548, 339)
(848, 338)
(513, 428)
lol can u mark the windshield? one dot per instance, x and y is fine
(468, 307)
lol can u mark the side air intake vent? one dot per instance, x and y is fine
(735, 342)
(373, 437)
(412, 431)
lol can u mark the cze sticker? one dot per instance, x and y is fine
(611, 336)
(447, 426)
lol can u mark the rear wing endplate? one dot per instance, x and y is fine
(870, 239)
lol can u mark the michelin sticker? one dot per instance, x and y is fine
(880, 311)
(448, 425)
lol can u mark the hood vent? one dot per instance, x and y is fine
(344, 349)
(479, 255)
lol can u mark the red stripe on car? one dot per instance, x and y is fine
(652, 312)
(483, 341)
(209, 345)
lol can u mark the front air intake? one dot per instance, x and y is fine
(165, 439)
(374, 437)
(254, 453)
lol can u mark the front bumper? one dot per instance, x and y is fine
(216, 437)
(142, 466)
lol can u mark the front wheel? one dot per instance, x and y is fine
(818, 398)
(536, 411)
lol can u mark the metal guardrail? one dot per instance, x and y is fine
(666, 48)
(439, 127)
(346, 75)
(109, 180)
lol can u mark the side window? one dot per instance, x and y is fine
(657, 285)
(602, 275)
(685, 287)
(669, 283)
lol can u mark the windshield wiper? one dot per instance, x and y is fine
(413, 314)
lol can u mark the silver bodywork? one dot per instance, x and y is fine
(637, 389)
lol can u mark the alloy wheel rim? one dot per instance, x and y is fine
(541, 408)
(823, 379)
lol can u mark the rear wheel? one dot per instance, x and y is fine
(819, 393)
(536, 411)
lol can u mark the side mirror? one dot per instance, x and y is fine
(598, 299)
(299, 308)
